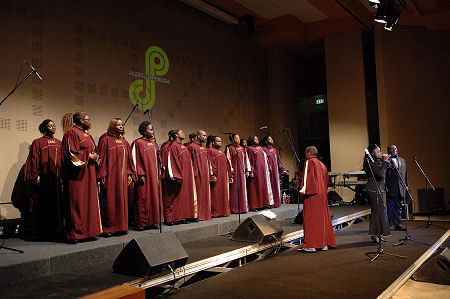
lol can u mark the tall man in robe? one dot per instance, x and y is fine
(317, 225)
(276, 167)
(115, 173)
(201, 165)
(220, 179)
(240, 166)
(147, 203)
(259, 186)
(80, 181)
(396, 191)
(180, 197)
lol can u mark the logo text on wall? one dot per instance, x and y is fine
(143, 93)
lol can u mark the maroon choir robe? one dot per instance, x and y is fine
(239, 165)
(317, 226)
(44, 162)
(220, 189)
(80, 185)
(275, 166)
(259, 187)
(115, 167)
(201, 166)
(180, 198)
(147, 203)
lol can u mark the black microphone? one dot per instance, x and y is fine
(263, 128)
(415, 159)
(230, 133)
(34, 70)
(283, 130)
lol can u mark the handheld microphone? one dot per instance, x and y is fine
(263, 128)
(34, 70)
(368, 154)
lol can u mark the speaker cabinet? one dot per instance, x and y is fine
(151, 256)
(259, 229)
(435, 269)
(431, 200)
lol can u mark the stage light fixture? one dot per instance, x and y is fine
(392, 19)
(374, 3)
(380, 16)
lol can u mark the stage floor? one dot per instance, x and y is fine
(337, 273)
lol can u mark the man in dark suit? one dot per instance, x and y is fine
(396, 190)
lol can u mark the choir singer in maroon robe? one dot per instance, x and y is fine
(115, 173)
(180, 197)
(276, 167)
(43, 168)
(318, 230)
(240, 166)
(259, 187)
(220, 179)
(147, 201)
(201, 166)
(80, 182)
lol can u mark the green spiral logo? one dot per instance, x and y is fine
(156, 65)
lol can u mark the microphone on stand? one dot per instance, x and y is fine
(230, 133)
(263, 128)
(368, 154)
(34, 70)
(283, 130)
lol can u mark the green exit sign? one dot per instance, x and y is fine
(320, 101)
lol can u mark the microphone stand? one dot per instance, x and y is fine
(406, 203)
(296, 159)
(18, 84)
(427, 181)
(158, 165)
(380, 250)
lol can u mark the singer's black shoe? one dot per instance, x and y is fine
(105, 235)
(400, 228)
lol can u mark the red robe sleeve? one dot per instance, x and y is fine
(279, 162)
(130, 167)
(33, 162)
(173, 162)
(136, 153)
(102, 151)
(309, 179)
(193, 151)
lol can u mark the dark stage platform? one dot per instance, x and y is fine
(47, 258)
(338, 273)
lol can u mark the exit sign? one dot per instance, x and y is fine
(320, 101)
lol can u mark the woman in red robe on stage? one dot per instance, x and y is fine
(221, 178)
(80, 182)
(116, 172)
(201, 166)
(259, 187)
(317, 225)
(147, 202)
(240, 166)
(276, 167)
(180, 195)
(43, 167)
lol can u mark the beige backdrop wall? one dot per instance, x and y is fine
(85, 51)
(346, 103)
(413, 73)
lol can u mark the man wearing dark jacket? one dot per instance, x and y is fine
(396, 190)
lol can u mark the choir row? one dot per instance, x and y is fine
(83, 190)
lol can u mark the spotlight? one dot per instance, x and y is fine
(380, 16)
(392, 19)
